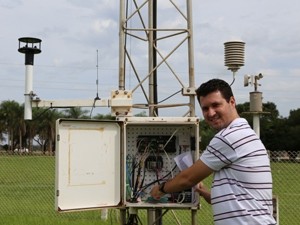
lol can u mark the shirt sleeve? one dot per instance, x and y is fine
(218, 153)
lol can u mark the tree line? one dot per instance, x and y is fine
(277, 133)
(20, 133)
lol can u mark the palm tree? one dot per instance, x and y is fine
(104, 117)
(32, 126)
(3, 128)
(76, 113)
(45, 130)
(12, 122)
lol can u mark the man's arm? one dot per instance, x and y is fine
(186, 179)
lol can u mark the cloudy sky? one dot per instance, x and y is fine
(73, 30)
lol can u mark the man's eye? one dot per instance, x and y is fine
(216, 105)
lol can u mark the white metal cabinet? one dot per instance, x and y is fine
(94, 161)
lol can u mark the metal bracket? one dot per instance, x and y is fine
(121, 103)
(187, 91)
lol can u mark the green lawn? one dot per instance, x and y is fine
(286, 186)
(27, 196)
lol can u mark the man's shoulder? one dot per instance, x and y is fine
(238, 122)
(238, 129)
(235, 125)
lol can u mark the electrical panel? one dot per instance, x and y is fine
(151, 147)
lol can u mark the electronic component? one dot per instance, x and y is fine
(185, 196)
(156, 143)
(154, 163)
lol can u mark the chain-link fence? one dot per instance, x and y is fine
(27, 194)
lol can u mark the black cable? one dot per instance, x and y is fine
(144, 175)
(94, 104)
(137, 180)
(133, 171)
(153, 182)
(232, 81)
(38, 116)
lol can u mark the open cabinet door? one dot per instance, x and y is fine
(88, 161)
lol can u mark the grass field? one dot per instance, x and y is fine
(286, 186)
(27, 196)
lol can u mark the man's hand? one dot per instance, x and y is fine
(156, 193)
(204, 192)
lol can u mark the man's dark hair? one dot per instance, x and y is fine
(214, 85)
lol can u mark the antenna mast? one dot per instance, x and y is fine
(97, 81)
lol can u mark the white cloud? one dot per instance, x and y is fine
(103, 25)
(72, 30)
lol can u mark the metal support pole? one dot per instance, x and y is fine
(158, 216)
(154, 56)
(122, 216)
(194, 216)
(122, 46)
(28, 92)
(191, 55)
(151, 216)
(150, 57)
(256, 124)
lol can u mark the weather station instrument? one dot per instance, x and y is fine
(256, 105)
(234, 56)
(29, 46)
(114, 163)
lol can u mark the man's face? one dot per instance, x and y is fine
(217, 112)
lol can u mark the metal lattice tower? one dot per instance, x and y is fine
(161, 43)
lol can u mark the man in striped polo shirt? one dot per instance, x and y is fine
(241, 191)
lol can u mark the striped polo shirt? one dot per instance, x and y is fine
(241, 192)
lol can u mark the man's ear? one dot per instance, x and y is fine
(198, 98)
(232, 100)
